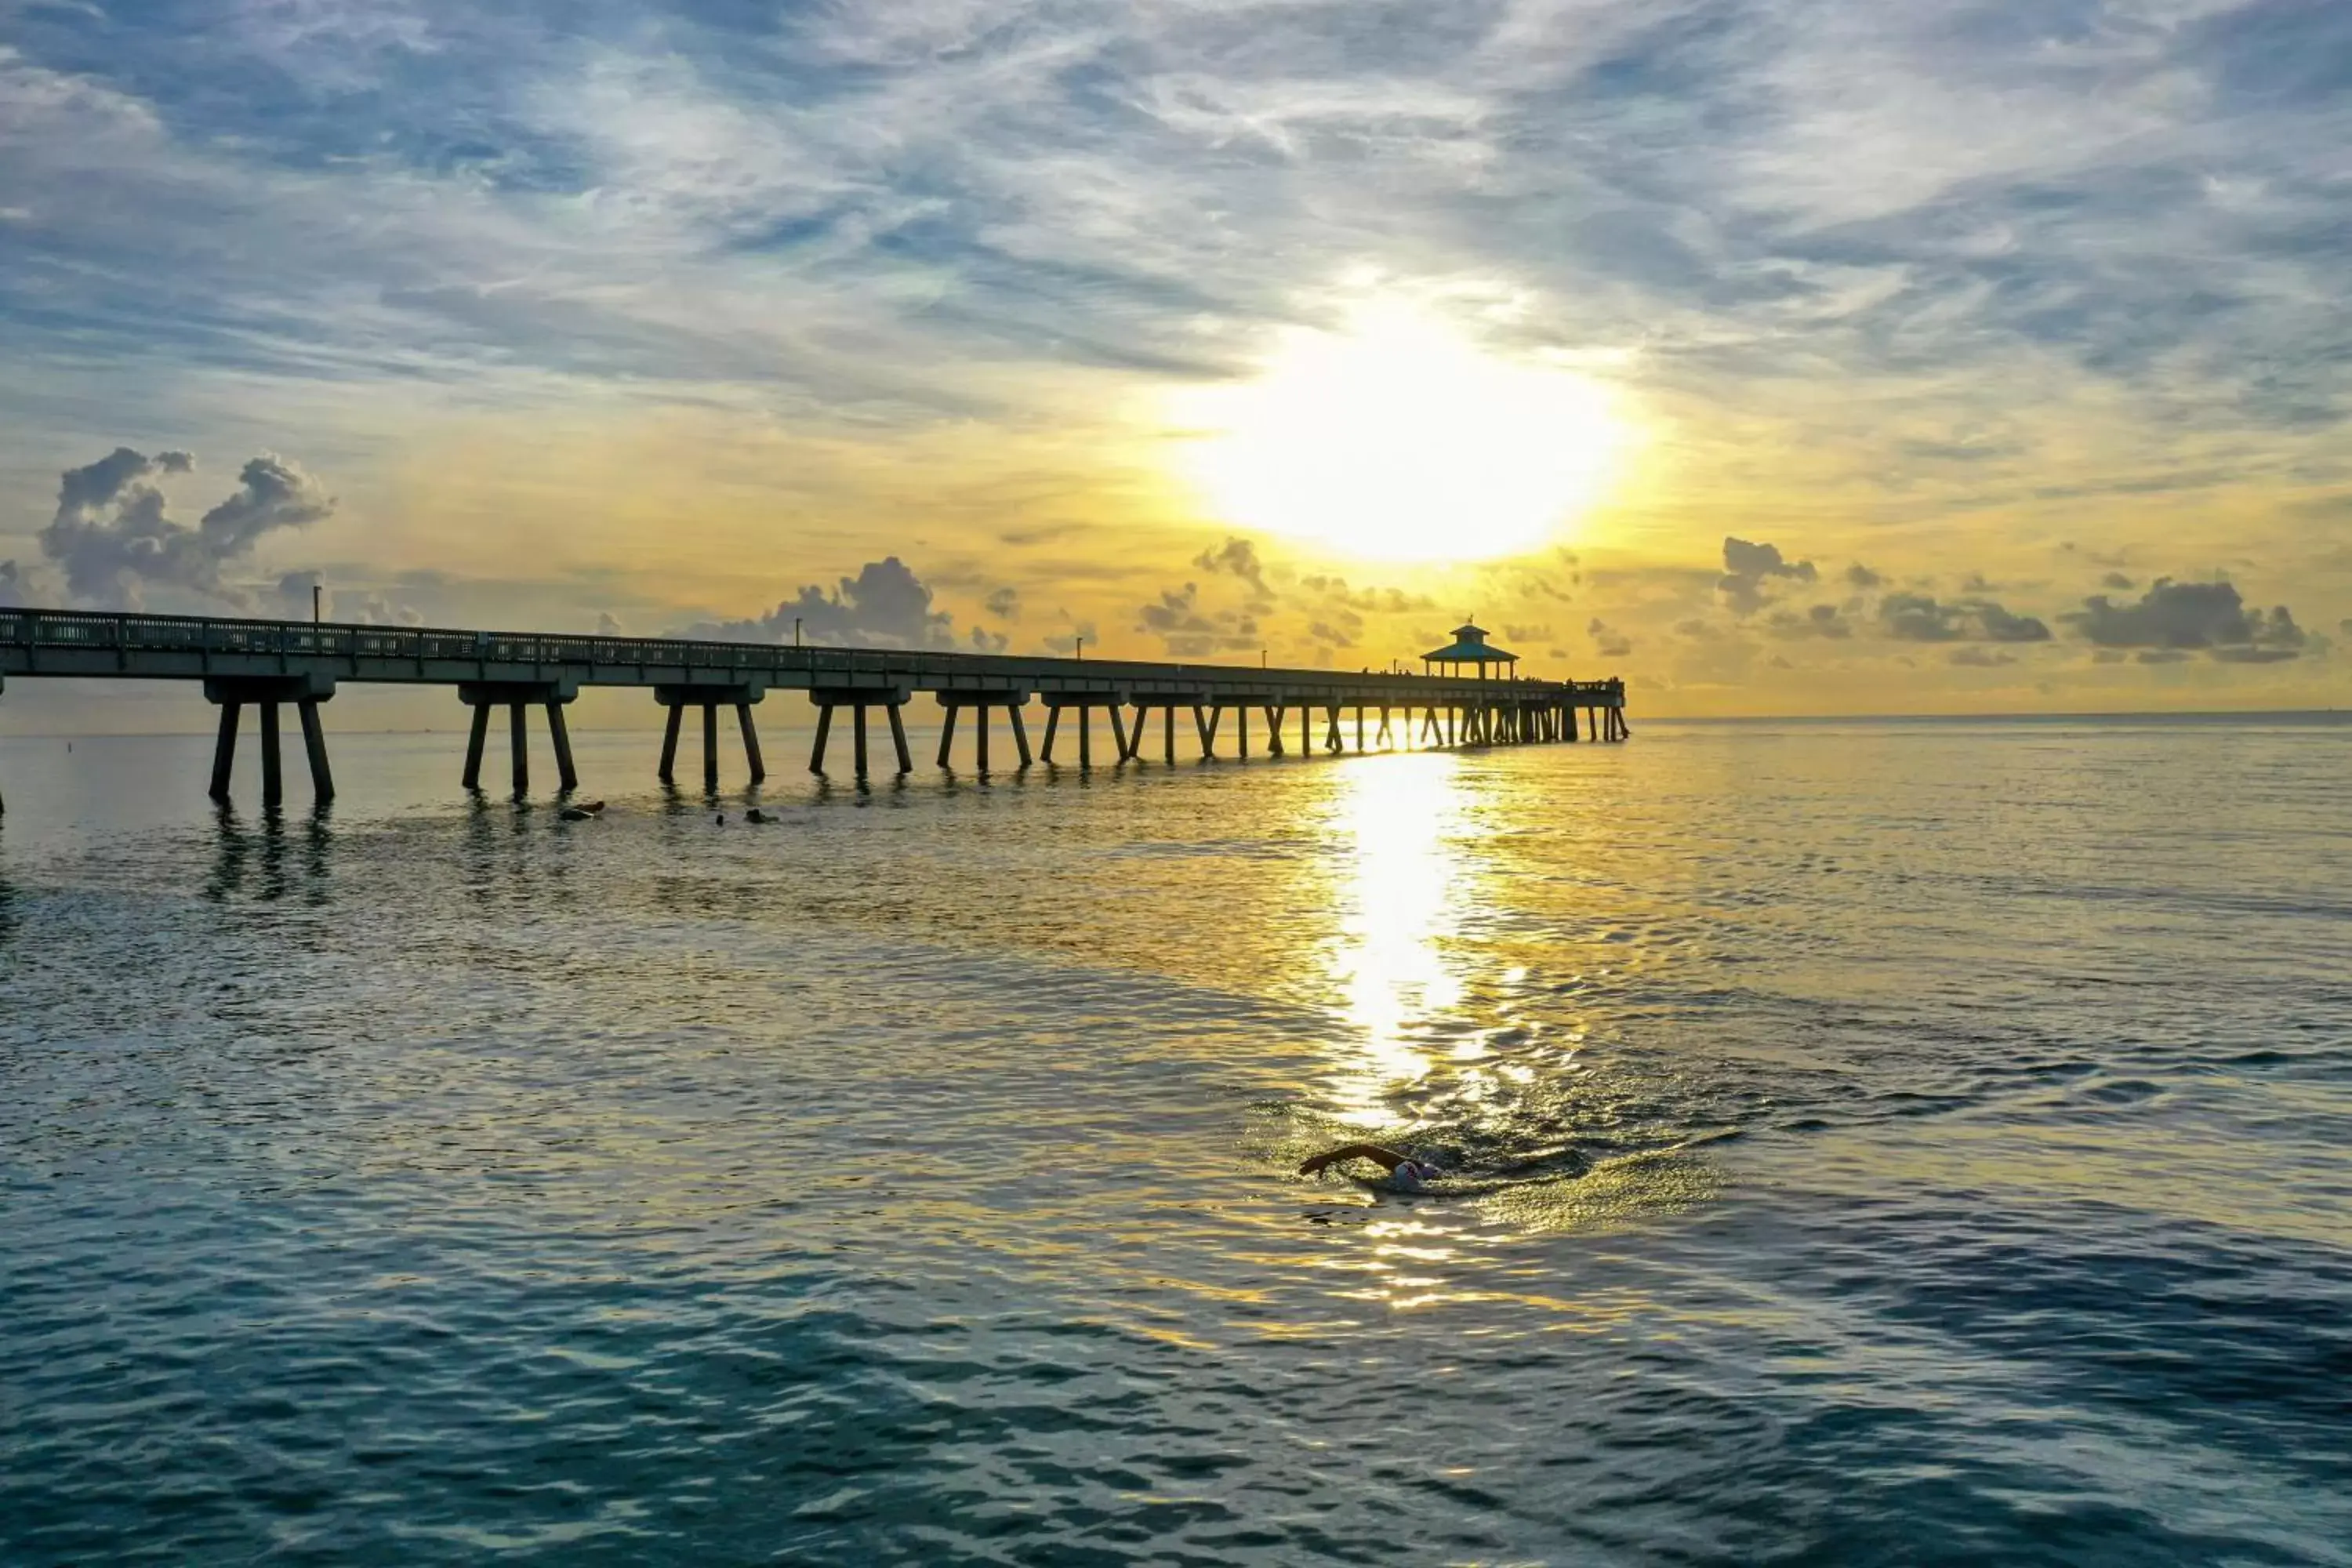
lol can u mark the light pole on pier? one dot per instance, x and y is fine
(1078, 647)
(314, 604)
(796, 631)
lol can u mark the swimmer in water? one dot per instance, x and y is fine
(1405, 1174)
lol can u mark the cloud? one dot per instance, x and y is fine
(1073, 641)
(1608, 641)
(115, 537)
(14, 588)
(1921, 617)
(609, 625)
(1981, 658)
(1367, 600)
(1239, 557)
(2119, 581)
(1005, 603)
(1862, 576)
(2177, 618)
(1821, 621)
(1187, 631)
(1747, 566)
(885, 605)
(1535, 632)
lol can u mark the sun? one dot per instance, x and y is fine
(1399, 440)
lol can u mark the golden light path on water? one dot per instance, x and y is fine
(1407, 879)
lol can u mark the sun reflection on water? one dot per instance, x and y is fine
(1407, 881)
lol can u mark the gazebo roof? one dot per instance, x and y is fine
(1470, 646)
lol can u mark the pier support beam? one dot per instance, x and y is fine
(567, 778)
(235, 693)
(978, 703)
(224, 748)
(518, 698)
(273, 774)
(1084, 704)
(1204, 721)
(710, 698)
(858, 699)
(314, 749)
(759, 764)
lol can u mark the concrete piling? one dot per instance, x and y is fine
(224, 749)
(314, 749)
(273, 773)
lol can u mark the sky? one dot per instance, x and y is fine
(1781, 356)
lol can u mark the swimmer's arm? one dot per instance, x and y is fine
(1387, 1159)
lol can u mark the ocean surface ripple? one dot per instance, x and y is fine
(1864, 1142)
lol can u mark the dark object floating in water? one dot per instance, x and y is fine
(576, 814)
(756, 815)
(721, 819)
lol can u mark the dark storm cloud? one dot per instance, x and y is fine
(1747, 566)
(885, 605)
(113, 535)
(1188, 631)
(1921, 617)
(2185, 617)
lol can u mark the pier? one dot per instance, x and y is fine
(267, 666)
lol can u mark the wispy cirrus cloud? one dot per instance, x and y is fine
(1901, 251)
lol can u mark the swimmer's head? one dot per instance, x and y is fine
(1410, 1175)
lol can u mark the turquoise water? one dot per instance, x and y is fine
(1871, 1143)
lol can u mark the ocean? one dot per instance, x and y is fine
(1864, 1142)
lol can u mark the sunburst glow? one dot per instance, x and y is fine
(1400, 439)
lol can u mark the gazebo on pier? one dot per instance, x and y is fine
(1469, 647)
(1483, 719)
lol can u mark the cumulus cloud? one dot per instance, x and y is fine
(885, 605)
(1821, 621)
(1367, 601)
(1005, 603)
(1072, 641)
(1921, 617)
(1747, 566)
(1189, 631)
(608, 625)
(1862, 576)
(2178, 618)
(1607, 640)
(1239, 557)
(15, 587)
(115, 537)
(2117, 581)
(1981, 658)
